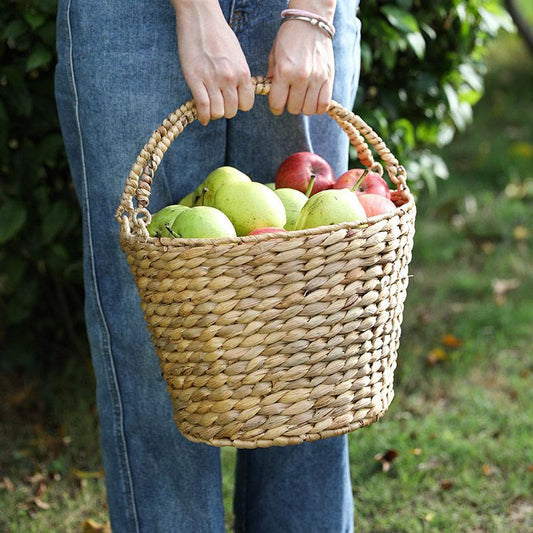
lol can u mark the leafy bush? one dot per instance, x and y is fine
(41, 309)
(422, 72)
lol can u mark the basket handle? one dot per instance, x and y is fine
(139, 181)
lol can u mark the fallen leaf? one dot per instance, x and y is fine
(522, 149)
(92, 526)
(20, 396)
(40, 489)
(7, 484)
(488, 247)
(416, 451)
(451, 341)
(80, 474)
(36, 478)
(429, 517)
(446, 484)
(386, 459)
(40, 504)
(435, 356)
(521, 233)
(487, 469)
(500, 288)
(530, 468)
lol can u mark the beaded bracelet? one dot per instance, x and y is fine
(312, 18)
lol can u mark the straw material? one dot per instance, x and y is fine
(273, 339)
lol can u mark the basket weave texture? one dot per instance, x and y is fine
(273, 339)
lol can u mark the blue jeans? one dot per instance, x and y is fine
(117, 78)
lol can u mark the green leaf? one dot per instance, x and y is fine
(39, 57)
(14, 29)
(34, 18)
(417, 43)
(55, 220)
(22, 302)
(13, 216)
(400, 19)
(470, 76)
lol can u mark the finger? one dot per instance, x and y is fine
(324, 97)
(231, 101)
(296, 98)
(201, 99)
(310, 104)
(277, 98)
(246, 95)
(216, 101)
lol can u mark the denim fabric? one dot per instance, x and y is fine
(117, 77)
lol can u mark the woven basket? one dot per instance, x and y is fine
(273, 339)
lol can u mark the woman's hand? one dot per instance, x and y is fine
(212, 60)
(302, 68)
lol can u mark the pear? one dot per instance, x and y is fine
(202, 222)
(187, 200)
(332, 206)
(250, 205)
(293, 201)
(164, 219)
(205, 193)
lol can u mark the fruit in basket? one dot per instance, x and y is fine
(297, 170)
(187, 200)
(293, 201)
(260, 231)
(330, 207)
(205, 193)
(250, 205)
(202, 222)
(371, 183)
(163, 219)
(375, 204)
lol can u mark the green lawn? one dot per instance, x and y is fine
(459, 432)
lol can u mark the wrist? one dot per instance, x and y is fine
(194, 6)
(325, 8)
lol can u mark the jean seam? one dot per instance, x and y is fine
(111, 377)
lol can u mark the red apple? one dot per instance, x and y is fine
(372, 183)
(266, 229)
(297, 171)
(375, 204)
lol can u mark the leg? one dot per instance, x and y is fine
(304, 488)
(117, 78)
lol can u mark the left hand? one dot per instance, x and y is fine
(302, 68)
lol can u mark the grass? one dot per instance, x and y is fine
(458, 434)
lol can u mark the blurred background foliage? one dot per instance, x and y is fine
(422, 71)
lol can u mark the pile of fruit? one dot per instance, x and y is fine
(305, 195)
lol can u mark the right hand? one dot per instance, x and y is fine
(212, 60)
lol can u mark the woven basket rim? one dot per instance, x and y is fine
(288, 235)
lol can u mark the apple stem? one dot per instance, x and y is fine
(310, 188)
(204, 190)
(363, 175)
(169, 229)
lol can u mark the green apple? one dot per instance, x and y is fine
(250, 205)
(293, 201)
(271, 185)
(164, 219)
(187, 200)
(205, 193)
(332, 206)
(202, 222)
